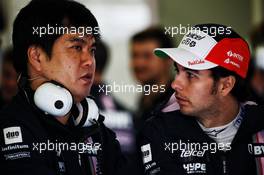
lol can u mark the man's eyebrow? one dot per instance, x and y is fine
(94, 44)
(186, 69)
(191, 70)
(77, 39)
(81, 40)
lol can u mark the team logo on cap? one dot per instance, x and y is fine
(229, 61)
(199, 51)
(192, 44)
(189, 42)
(235, 55)
(195, 36)
(194, 62)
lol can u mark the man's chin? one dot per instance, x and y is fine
(80, 97)
(187, 112)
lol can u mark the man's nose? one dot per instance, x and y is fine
(88, 59)
(177, 83)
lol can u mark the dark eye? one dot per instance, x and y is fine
(190, 75)
(77, 47)
(93, 50)
(176, 70)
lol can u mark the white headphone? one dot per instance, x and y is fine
(52, 98)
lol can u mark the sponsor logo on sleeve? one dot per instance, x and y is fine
(12, 135)
(256, 149)
(146, 152)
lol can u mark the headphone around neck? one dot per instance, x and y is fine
(54, 99)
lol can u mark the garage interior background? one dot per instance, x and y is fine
(120, 19)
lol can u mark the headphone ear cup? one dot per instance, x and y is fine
(53, 99)
(88, 112)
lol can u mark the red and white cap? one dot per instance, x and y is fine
(200, 51)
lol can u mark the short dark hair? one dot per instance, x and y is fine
(154, 33)
(101, 56)
(241, 88)
(38, 13)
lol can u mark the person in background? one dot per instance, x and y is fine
(2, 22)
(150, 70)
(117, 117)
(104, 101)
(2, 27)
(256, 77)
(8, 78)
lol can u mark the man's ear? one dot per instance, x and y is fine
(34, 54)
(226, 85)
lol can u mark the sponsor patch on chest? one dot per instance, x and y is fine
(12, 135)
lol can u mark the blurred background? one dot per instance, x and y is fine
(119, 20)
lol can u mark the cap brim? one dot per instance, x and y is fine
(184, 58)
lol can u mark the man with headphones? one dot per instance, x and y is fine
(51, 126)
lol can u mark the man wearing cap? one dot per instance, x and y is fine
(216, 131)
